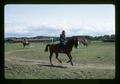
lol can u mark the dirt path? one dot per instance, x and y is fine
(25, 61)
(9, 52)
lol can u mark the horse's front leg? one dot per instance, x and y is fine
(23, 46)
(50, 57)
(70, 59)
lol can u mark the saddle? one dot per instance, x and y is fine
(62, 47)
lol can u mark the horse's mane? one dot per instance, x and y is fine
(70, 40)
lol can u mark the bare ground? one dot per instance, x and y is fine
(24, 68)
(25, 61)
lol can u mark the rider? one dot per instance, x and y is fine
(24, 40)
(62, 40)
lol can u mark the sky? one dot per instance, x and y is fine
(28, 20)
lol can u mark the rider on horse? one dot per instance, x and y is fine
(62, 40)
(24, 39)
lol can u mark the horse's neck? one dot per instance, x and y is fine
(69, 45)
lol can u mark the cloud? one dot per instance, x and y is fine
(51, 20)
(14, 29)
(44, 30)
(23, 29)
(93, 30)
(18, 34)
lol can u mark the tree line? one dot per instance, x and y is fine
(104, 38)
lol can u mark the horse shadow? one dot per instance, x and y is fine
(56, 66)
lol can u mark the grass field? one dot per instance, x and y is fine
(97, 61)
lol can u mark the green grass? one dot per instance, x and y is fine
(97, 53)
(41, 72)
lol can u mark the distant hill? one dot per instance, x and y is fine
(105, 38)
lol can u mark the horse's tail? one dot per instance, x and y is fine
(46, 48)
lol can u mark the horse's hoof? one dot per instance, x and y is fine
(61, 62)
(72, 64)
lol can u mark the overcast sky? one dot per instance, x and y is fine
(43, 19)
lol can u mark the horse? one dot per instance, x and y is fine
(55, 48)
(25, 43)
(83, 41)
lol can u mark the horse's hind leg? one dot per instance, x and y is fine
(58, 58)
(50, 57)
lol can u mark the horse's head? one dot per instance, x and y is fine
(84, 41)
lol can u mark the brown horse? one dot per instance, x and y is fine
(55, 48)
(83, 41)
(25, 43)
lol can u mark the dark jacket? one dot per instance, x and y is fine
(62, 38)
